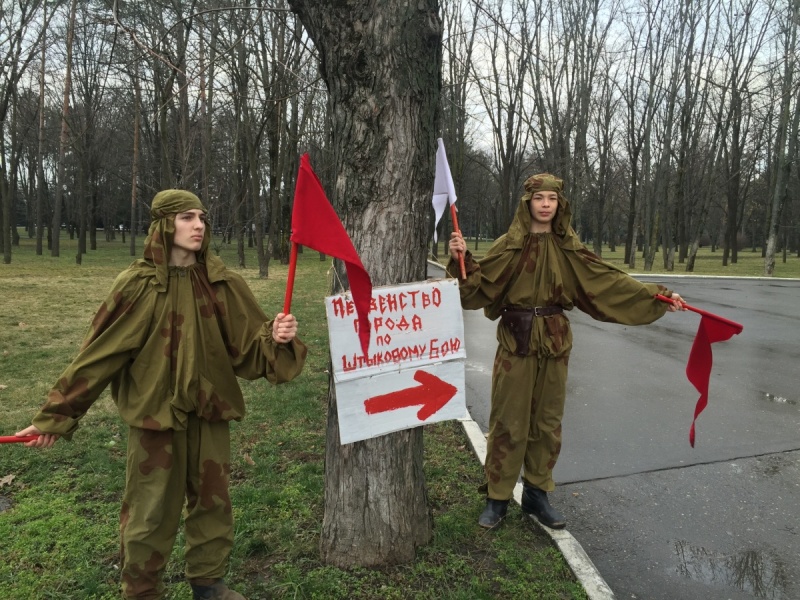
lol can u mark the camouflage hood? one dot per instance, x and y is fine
(158, 245)
(562, 227)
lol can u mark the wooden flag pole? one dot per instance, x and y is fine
(456, 228)
(13, 439)
(705, 313)
(287, 301)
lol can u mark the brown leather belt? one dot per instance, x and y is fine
(519, 322)
(538, 311)
(543, 311)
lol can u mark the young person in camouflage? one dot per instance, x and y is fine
(528, 278)
(176, 331)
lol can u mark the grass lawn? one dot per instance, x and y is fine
(59, 507)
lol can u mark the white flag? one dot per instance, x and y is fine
(443, 188)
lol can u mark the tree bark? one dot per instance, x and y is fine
(383, 73)
(40, 180)
(62, 147)
(785, 145)
(137, 112)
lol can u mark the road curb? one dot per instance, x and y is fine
(579, 562)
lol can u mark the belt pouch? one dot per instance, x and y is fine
(519, 324)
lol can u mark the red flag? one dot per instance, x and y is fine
(698, 370)
(713, 328)
(316, 225)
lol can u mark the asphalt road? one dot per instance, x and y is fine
(660, 519)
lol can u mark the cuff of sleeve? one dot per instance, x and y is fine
(285, 361)
(454, 270)
(660, 306)
(63, 426)
(664, 291)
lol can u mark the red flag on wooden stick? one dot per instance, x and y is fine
(316, 225)
(713, 328)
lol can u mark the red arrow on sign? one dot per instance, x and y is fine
(433, 394)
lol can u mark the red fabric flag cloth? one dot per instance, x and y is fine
(317, 226)
(698, 370)
(713, 328)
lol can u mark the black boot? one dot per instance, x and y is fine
(535, 503)
(213, 589)
(494, 512)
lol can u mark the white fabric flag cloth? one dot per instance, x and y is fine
(443, 188)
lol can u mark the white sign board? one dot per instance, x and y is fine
(414, 370)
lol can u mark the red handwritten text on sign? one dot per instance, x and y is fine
(411, 325)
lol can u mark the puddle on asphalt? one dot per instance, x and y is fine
(760, 574)
(773, 399)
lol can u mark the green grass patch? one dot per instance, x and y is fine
(59, 507)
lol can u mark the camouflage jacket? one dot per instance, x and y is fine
(171, 351)
(527, 270)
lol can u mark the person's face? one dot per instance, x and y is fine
(543, 206)
(190, 226)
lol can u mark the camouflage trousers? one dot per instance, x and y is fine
(528, 396)
(165, 471)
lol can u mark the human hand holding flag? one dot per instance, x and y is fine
(317, 226)
(712, 328)
(443, 192)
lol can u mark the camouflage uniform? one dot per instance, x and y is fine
(527, 270)
(172, 342)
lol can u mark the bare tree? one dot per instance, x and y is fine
(642, 95)
(137, 118)
(209, 26)
(94, 46)
(587, 27)
(661, 222)
(40, 180)
(786, 138)
(19, 46)
(506, 48)
(458, 46)
(694, 165)
(280, 50)
(600, 173)
(64, 138)
(166, 48)
(383, 73)
(747, 22)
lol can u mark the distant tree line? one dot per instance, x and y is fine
(674, 123)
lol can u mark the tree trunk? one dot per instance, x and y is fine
(62, 146)
(785, 145)
(40, 181)
(383, 73)
(137, 115)
(9, 219)
(207, 105)
(81, 221)
(733, 183)
(630, 229)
